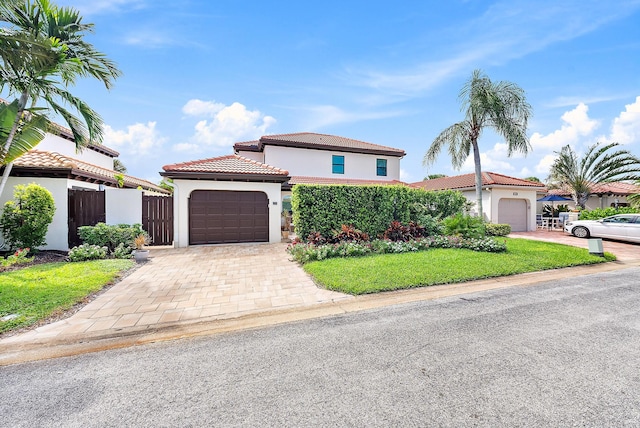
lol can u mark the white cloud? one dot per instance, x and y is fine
(138, 139)
(225, 125)
(577, 125)
(626, 127)
(495, 160)
(544, 165)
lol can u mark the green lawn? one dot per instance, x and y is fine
(37, 292)
(371, 274)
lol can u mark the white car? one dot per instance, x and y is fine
(624, 227)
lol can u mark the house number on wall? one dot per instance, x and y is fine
(515, 193)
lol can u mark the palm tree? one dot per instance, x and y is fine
(42, 54)
(598, 165)
(500, 106)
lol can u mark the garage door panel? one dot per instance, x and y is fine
(514, 213)
(221, 216)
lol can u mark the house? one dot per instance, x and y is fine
(241, 197)
(505, 199)
(55, 165)
(603, 195)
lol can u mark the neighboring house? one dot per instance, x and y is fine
(56, 166)
(240, 197)
(505, 199)
(603, 195)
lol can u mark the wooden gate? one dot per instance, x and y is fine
(86, 208)
(157, 218)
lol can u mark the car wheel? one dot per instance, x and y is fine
(580, 232)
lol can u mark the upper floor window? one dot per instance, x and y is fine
(381, 167)
(337, 164)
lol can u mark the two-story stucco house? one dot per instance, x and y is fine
(240, 197)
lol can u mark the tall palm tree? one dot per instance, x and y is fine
(598, 165)
(634, 200)
(42, 53)
(501, 106)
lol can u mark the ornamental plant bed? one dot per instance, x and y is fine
(385, 272)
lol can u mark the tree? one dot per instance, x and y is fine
(118, 166)
(501, 106)
(534, 179)
(634, 200)
(598, 165)
(434, 176)
(26, 219)
(42, 53)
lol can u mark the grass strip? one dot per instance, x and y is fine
(37, 292)
(371, 274)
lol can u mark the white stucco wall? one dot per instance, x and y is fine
(182, 192)
(256, 156)
(123, 206)
(318, 163)
(53, 143)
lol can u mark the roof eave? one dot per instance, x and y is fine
(216, 176)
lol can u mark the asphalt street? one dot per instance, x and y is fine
(565, 353)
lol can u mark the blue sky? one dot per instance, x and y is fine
(200, 75)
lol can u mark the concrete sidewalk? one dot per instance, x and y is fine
(204, 290)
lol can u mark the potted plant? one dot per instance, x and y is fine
(285, 224)
(140, 253)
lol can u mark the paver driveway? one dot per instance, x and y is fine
(190, 285)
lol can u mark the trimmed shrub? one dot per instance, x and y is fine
(110, 236)
(87, 252)
(25, 220)
(465, 226)
(497, 229)
(371, 209)
(599, 213)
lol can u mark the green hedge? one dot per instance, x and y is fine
(605, 212)
(325, 208)
(497, 229)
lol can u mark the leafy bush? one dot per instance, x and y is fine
(304, 253)
(122, 251)
(465, 226)
(324, 208)
(497, 229)
(17, 258)
(606, 212)
(26, 219)
(87, 252)
(110, 236)
(397, 232)
(316, 238)
(349, 233)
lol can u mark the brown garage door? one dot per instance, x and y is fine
(220, 216)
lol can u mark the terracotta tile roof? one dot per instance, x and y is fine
(312, 140)
(355, 182)
(466, 181)
(616, 188)
(42, 161)
(230, 164)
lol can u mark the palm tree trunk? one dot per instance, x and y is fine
(476, 161)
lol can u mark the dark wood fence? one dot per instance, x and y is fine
(157, 218)
(86, 208)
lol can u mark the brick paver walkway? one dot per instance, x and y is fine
(190, 285)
